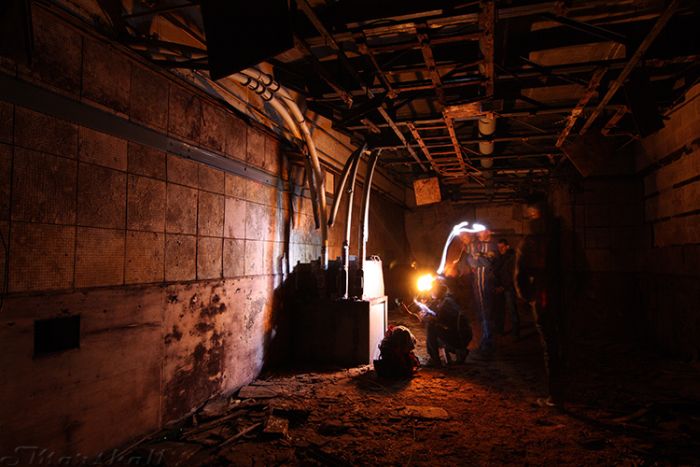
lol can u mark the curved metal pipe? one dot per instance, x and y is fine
(266, 95)
(263, 85)
(348, 227)
(364, 218)
(312, 189)
(340, 187)
(287, 100)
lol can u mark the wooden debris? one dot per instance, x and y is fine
(239, 435)
(207, 426)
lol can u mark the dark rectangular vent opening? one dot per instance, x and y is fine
(56, 335)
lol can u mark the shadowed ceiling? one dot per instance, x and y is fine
(415, 77)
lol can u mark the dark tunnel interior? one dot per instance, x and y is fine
(342, 232)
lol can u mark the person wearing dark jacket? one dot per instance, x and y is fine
(446, 326)
(537, 281)
(504, 267)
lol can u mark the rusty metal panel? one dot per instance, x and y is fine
(427, 191)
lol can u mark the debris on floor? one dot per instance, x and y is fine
(483, 412)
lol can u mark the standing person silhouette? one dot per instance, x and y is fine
(537, 280)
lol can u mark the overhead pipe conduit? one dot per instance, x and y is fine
(340, 188)
(268, 89)
(345, 274)
(364, 218)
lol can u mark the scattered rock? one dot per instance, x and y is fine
(425, 412)
(276, 427)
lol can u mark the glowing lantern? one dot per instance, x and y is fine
(425, 283)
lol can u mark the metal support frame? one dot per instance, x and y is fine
(323, 73)
(429, 60)
(577, 111)
(617, 116)
(330, 41)
(595, 31)
(638, 54)
(416, 135)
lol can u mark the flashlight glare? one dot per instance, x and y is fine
(425, 282)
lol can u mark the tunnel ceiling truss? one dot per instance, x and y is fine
(415, 77)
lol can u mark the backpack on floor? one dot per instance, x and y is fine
(397, 359)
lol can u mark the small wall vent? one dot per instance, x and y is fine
(56, 335)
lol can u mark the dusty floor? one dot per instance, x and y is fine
(628, 411)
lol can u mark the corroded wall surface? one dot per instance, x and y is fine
(175, 268)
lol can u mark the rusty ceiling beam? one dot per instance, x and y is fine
(577, 111)
(442, 20)
(474, 36)
(421, 144)
(455, 144)
(324, 74)
(617, 116)
(638, 54)
(524, 156)
(532, 73)
(361, 42)
(499, 139)
(401, 137)
(595, 31)
(308, 11)
(429, 60)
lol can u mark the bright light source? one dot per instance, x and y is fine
(478, 227)
(425, 282)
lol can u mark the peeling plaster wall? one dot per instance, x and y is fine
(174, 267)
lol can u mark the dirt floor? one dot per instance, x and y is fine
(622, 409)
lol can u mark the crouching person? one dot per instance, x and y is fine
(397, 359)
(447, 326)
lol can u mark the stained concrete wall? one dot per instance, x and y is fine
(173, 266)
(631, 245)
(601, 238)
(669, 164)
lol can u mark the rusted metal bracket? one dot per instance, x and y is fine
(617, 116)
(429, 60)
(577, 111)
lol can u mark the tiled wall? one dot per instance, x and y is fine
(172, 265)
(669, 163)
